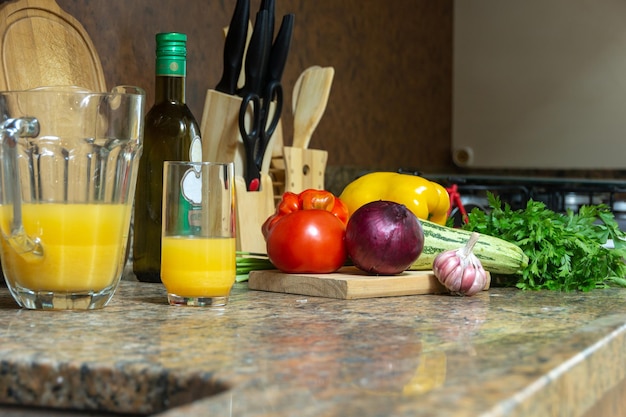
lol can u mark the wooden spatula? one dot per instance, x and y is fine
(304, 168)
(310, 98)
(296, 87)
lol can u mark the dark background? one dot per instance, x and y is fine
(390, 104)
(391, 101)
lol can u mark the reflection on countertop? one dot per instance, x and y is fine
(502, 352)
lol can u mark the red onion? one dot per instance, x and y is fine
(384, 238)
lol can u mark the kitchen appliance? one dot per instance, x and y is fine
(558, 194)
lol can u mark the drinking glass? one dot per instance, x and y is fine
(198, 265)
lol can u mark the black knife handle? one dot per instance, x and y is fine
(270, 6)
(257, 56)
(234, 46)
(280, 49)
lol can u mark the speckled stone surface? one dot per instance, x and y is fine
(503, 352)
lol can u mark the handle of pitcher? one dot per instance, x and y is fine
(10, 131)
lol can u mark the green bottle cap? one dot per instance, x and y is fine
(171, 54)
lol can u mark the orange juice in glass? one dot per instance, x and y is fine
(198, 241)
(197, 266)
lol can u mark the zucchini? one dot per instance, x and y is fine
(496, 255)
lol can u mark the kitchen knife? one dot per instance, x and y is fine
(234, 47)
(280, 49)
(272, 88)
(252, 92)
(270, 6)
(257, 56)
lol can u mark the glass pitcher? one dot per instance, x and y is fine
(68, 165)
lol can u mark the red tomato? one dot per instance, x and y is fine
(307, 241)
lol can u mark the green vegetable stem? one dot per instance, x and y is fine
(566, 250)
(248, 261)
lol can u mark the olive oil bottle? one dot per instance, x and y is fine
(171, 134)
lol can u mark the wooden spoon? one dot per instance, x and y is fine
(310, 98)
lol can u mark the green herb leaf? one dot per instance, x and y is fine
(566, 250)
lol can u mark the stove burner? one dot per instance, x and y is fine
(558, 194)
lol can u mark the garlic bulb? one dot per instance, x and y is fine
(460, 271)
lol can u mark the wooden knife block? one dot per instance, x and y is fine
(253, 208)
(300, 168)
(222, 142)
(304, 168)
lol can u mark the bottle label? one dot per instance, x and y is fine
(191, 202)
(195, 150)
(171, 66)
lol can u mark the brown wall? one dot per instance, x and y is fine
(390, 104)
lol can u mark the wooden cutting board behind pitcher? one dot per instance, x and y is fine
(42, 45)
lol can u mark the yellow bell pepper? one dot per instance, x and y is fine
(426, 199)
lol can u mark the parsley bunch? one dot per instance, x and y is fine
(565, 251)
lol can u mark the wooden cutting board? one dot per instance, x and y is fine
(42, 45)
(348, 283)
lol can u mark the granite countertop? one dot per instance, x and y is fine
(504, 352)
